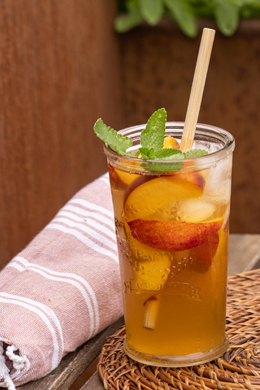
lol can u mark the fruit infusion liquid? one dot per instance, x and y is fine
(172, 229)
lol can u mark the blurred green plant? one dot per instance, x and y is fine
(226, 13)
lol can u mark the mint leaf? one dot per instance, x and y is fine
(169, 154)
(195, 153)
(153, 135)
(152, 10)
(113, 138)
(146, 153)
(165, 154)
(162, 167)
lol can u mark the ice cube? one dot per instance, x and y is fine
(195, 210)
(218, 183)
(218, 190)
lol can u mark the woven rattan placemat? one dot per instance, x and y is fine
(239, 368)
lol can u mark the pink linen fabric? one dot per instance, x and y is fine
(62, 289)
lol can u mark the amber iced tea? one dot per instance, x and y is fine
(172, 234)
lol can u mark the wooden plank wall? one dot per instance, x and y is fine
(59, 72)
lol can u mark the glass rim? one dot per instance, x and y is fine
(201, 128)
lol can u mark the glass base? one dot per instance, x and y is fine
(177, 361)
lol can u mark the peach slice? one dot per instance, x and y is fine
(171, 235)
(122, 177)
(112, 175)
(151, 311)
(203, 254)
(152, 275)
(170, 143)
(151, 270)
(151, 266)
(126, 177)
(193, 177)
(141, 252)
(154, 194)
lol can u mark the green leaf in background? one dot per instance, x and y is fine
(227, 13)
(250, 9)
(195, 153)
(227, 16)
(121, 6)
(131, 20)
(152, 10)
(182, 13)
(112, 138)
(202, 8)
(152, 136)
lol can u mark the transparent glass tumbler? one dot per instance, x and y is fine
(172, 227)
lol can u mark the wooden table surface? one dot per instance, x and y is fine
(244, 255)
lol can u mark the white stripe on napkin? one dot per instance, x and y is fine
(92, 206)
(55, 356)
(91, 244)
(41, 306)
(88, 221)
(92, 233)
(105, 179)
(65, 275)
(72, 282)
(85, 213)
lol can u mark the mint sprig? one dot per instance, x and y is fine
(152, 139)
(195, 153)
(153, 135)
(113, 138)
(169, 154)
(165, 154)
(145, 153)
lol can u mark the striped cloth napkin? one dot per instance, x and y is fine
(62, 289)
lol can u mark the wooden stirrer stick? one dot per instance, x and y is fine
(197, 89)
